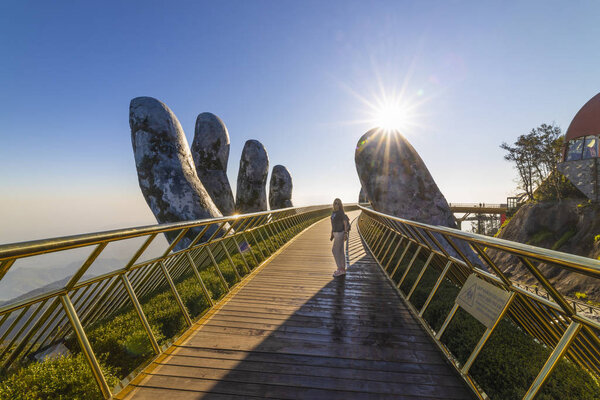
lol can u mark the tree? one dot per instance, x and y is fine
(535, 156)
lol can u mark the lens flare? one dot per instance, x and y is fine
(391, 117)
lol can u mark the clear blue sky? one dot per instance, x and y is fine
(288, 73)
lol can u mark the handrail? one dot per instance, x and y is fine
(554, 320)
(576, 263)
(223, 250)
(42, 246)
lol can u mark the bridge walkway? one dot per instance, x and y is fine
(291, 331)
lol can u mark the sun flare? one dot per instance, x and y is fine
(391, 117)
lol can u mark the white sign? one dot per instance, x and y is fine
(482, 300)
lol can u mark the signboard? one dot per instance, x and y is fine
(482, 300)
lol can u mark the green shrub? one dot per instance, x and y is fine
(564, 238)
(66, 377)
(122, 341)
(540, 237)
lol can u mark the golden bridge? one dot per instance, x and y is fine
(253, 312)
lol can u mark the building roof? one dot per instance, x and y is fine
(586, 121)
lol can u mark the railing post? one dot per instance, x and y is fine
(86, 348)
(246, 265)
(389, 246)
(449, 317)
(268, 244)
(184, 310)
(212, 258)
(197, 273)
(560, 349)
(387, 265)
(382, 244)
(400, 259)
(409, 266)
(237, 274)
(250, 248)
(421, 273)
(486, 335)
(382, 237)
(266, 241)
(140, 313)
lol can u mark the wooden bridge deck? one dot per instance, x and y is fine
(292, 331)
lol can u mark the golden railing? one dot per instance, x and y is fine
(397, 243)
(35, 323)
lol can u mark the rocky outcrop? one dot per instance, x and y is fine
(569, 226)
(210, 151)
(280, 188)
(397, 182)
(165, 168)
(251, 194)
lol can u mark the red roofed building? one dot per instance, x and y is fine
(580, 158)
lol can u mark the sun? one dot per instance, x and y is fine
(391, 117)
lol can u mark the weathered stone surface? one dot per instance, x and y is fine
(362, 196)
(280, 188)
(583, 174)
(210, 151)
(397, 181)
(251, 194)
(547, 224)
(165, 167)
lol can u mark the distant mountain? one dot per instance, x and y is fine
(32, 276)
(27, 281)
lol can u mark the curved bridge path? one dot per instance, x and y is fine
(291, 331)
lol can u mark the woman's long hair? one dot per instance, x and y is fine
(340, 205)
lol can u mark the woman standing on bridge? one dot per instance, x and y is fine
(340, 226)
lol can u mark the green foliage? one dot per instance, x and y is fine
(564, 238)
(121, 341)
(506, 221)
(510, 360)
(540, 237)
(66, 377)
(556, 187)
(584, 204)
(535, 156)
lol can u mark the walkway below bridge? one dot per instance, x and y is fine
(292, 331)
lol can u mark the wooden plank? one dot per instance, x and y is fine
(295, 332)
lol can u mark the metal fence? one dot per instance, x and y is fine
(407, 251)
(229, 248)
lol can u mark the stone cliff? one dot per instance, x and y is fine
(570, 226)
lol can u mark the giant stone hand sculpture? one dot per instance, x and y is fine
(210, 151)
(251, 195)
(397, 182)
(165, 168)
(362, 196)
(280, 188)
